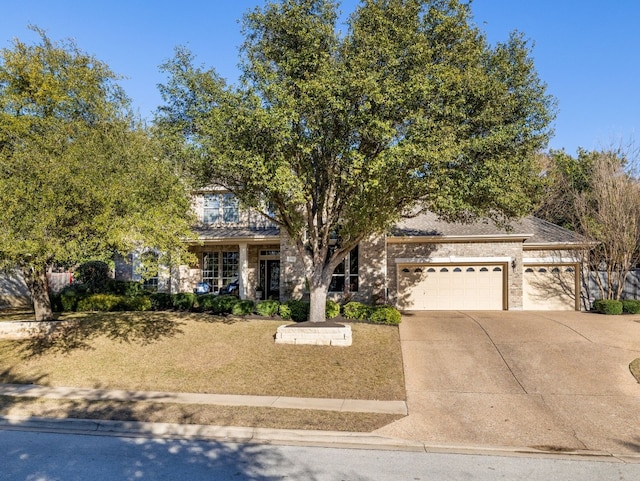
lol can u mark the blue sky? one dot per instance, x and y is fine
(587, 51)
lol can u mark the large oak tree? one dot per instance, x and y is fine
(341, 134)
(79, 179)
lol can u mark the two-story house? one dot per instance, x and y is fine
(422, 264)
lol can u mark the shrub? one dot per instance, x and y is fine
(267, 308)
(94, 275)
(285, 311)
(356, 310)
(224, 304)
(69, 297)
(124, 288)
(100, 302)
(140, 303)
(385, 315)
(243, 307)
(184, 301)
(631, 306)
(299, 310)
(332, 309)
(161, 301)
(608, 306)
(206, 302)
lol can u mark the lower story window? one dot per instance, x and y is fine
(345, 277)
(219, 268)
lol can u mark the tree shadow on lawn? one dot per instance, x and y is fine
(76, 332)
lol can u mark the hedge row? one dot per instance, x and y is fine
(613, 307)
(78, 300)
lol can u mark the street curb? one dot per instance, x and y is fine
(289, 437)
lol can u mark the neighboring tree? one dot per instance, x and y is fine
(597, 194)
(79, 179)
(343, 134)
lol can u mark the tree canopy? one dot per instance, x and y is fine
(79, 178)
(597, 194)
(341, 134)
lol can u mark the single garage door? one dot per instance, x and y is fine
(451, 287)
(549, 288)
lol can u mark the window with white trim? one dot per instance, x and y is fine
(220, 268)
(218, 208)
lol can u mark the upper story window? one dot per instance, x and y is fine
(218, 208)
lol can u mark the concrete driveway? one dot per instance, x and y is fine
(555, 381)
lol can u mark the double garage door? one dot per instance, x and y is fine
(451, 287)
(482, 287)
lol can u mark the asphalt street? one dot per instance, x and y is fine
(37, 456)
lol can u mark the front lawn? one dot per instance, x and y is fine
(186, 352)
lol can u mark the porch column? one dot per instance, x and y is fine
(243, 269)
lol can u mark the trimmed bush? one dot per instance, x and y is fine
(608, 306)
(100, 302)
(299, 310)
(140, 303)
(356, 310)
(332, 309)
(385, 315)
(184, 301)
(224, 304)
(124, 288)
(243, 308)
(206, 302)
(161, 301)
(70, 296)
(267, 308)
(285, 311)
(631, 306)
(94, 275)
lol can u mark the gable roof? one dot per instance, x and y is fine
(532, 230)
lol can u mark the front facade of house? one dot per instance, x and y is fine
(423, 264)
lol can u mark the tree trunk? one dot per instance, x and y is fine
(36, 280)
(318, 298)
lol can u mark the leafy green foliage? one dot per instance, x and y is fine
(161, 301)
(409, 108)
(268, 308)
(631, 306)
(298, 310)
(608, 306)
(332, 309)
(184, 301)
(356, 310)
(385, 315)
(94, 275)
(224, 304)
(243, 307)
(80, 179)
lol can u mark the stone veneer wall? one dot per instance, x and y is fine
(430, 250)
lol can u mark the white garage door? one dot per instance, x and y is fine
(549, 288)
(450, 287)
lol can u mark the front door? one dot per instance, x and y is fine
(270, 278)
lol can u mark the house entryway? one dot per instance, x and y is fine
(269, 277)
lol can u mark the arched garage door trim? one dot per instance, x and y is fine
(550, 299)
(481, 285)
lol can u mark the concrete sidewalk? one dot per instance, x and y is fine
(281, 402)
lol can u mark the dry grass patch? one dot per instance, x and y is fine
(195, 414)
(17, 314)
(634, 367)
(200, 353)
